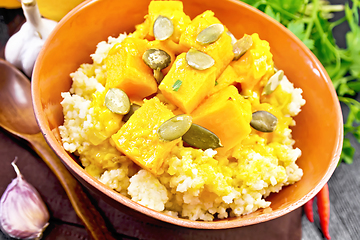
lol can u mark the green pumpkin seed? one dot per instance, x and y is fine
(273, 82)
(156, 59)
(242, 46)
(132, 110)
(201, 137)
(117, 101)
(210, 34)
(158, 75)
(199, 60)
(233, 39)
(175, 127)
(163, 28)
(263, 121)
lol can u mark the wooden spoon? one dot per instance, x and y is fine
(17, 117)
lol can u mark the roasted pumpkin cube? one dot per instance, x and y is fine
(126, 69)
(138, 138)
(221, 50)
(107, 122)
(172, 10)
(185, 86)
(227, 114)
(169, 46)
(141, 30)
(256, 66)
(227, 77)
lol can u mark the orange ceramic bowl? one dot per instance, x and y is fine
(319, 129)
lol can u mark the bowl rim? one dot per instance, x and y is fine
(217, 224)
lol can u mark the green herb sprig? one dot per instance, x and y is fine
(310, 22)
(177, 85)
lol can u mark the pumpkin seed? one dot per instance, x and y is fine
(199, 60)
(163, 28)
(156, 59)
(200, 137)
(175, 127)
(263, 121)
(158, 75)
(241, 46)
(233, 38)
(210, 34)
(132, 110)
(117, 101)
(273, 82)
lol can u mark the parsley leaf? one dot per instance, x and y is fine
(269, 11)
(291, 7)
(348, 151)
(298, 28)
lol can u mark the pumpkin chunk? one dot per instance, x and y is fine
(227, 114)
(227, 77)
(256, 66)
(138, 138)
(192, 85)
(172, 10)
(107, 122)
(221, 50)
(126, 69)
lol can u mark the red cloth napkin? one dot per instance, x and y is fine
(64, 224)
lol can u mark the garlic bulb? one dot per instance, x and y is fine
(24, 46)
(23, 214)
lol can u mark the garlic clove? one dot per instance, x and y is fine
(23, 214)
(23, 47)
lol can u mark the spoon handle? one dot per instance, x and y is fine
(81, 203)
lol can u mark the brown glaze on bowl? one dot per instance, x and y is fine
(318, 131)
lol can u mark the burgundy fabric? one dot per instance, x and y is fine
(64, 224)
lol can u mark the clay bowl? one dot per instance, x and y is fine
(319, 129)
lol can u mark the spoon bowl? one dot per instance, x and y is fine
(16, 112)
(17, 117)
